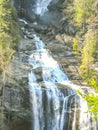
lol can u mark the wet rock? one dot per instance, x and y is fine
(55, 3)
(38, 74)
(52, 18)
(26, 45)
(24, 9)
(39, 28)
(30, 36)
(21, 24)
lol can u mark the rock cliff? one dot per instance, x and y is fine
(52, 28)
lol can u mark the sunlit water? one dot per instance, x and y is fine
(58, 111)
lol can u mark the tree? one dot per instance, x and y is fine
(88, 54)
(86, 18)
(9, 36)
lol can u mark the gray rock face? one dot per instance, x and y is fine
(54, 16)
(54, 4)
(25, 10)
(16, 92)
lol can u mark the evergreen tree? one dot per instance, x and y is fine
(8, 40)
(86, 18)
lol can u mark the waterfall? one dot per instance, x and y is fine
(36, 99)
(40, 6)
(53, 109)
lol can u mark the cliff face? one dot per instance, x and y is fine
(25, 8)
(51, 28)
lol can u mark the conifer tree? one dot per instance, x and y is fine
(8, 38)
(86, 18)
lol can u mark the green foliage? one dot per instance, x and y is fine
(92, 100)
(9, 33)
(85, 18)
(82, 11)
(93, 82)
(8, 40)
(75, 46)
(79, 12)
(88, 53)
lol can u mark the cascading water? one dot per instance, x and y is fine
(40, 6)
(36, 99)
(54, 108)
(51, 108)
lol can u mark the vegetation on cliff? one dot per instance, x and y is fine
(84, 13)
(85, 18)
(9, 35)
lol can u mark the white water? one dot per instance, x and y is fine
(56, 109)
(64, 110)
(40, 6)
(51, 73)
(22, 20)
(36, 99)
